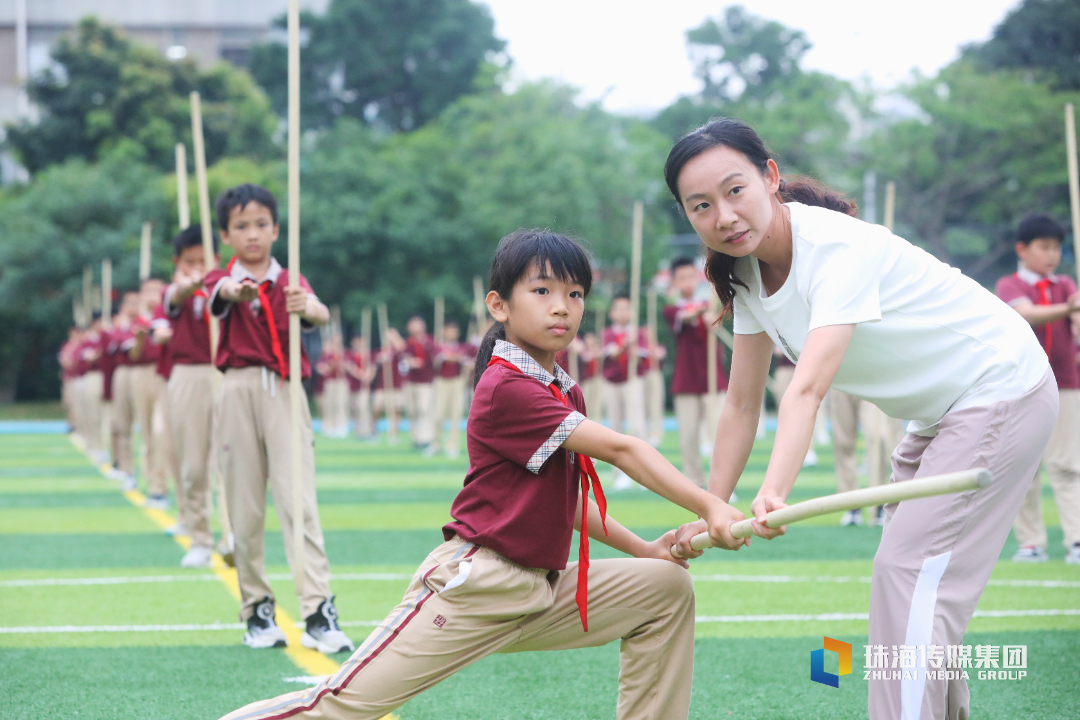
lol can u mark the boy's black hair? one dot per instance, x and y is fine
(1039, 226)
(517, 253)
(239, 197)
(620, 296)
(681, 263)
(191, 237)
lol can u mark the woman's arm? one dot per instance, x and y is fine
(821, 357)
(647, 466)
(624, 540)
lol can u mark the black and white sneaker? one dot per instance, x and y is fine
(323, 633)
(262, 630)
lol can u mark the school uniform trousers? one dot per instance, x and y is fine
(92, 386)
(1062, 464)
(123, 417)
(697, 419)
(466, 602)
(147, 391)
(449, 410)
(936, 551)
(360, 405)
(255, 449)
(654, 406)
(881, 432)
(419, 397)
(336, 397)
(623, 403)
(191, 389)
(593, 391)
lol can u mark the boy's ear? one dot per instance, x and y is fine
(277, 230)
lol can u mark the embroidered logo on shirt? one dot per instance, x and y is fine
(439, 620)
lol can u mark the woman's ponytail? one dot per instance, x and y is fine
(487, 347)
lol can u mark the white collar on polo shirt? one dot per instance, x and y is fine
(239, 272)
(524, 362)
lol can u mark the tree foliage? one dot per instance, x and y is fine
(1039, 35)
(390, 63)
(108, 96)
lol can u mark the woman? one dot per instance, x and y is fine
(866, 312)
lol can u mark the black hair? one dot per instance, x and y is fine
(239, 197)
(737, 135)
(1039, 226)
(681, 262)
(623, 295)
(516, 254)
(191, 236)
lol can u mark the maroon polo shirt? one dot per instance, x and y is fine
(450, 369)
(190, 343)
(617, 365)
(1020, 286)
(424, 350)
(150, 351)
(355, 359)
(245, 335)
(691, 374)
(521, 491)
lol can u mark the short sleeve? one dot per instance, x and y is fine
(526, 423)
(744, 322)
(1011, 292)
(842, 288)
(1069, 286)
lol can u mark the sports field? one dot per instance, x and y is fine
(97, 620)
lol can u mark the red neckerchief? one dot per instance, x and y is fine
(1044, 299)
(275, 340)
(418, 349)
(588, 474)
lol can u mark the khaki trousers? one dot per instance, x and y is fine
(696, 419)
(256, 450)
(360, 406)
(1062, 464)
(93, 385)
(654, 406)
(466, 602)
(937, 553)
(147, 389)
(391, 403)
(67, 398)
(336, 396)
(191, 412)
(881, 432)
(123, 417)
(623, 402)
(418, 404)
(593, 390)
(449, 408)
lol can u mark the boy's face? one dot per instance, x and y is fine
(620, 311)
(357, 344)
(1041, 255)
(150, 294)
(417, 327)
(130, 305)
(685, 280)
(451, 332)
(191, 261)
(251, 232)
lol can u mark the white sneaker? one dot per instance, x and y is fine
(156, 502)
(128, 482)
(622, 481)
(1073, 556)
(198, 556)
(810, 459)
(852, 517)
(323, 633)
(227, 550)
(1032, 554)
(177, 530)
(263, 631)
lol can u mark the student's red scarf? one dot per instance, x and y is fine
(275, 340)
(588, 474)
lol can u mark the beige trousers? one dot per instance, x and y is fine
(466, 602)
(123, 417)
(882, 434)
(696, 420)
(449, 408)
(623, 403)
(419, 398)
(391, 403)
(256, 450)
(67, 398)
(191, 412)
(593, 390)
(147, 390)
(360, 406)
(1062, 464)
(336, 396)
(92, 386)
(654, 407)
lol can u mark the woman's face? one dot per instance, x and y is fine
(728, 200)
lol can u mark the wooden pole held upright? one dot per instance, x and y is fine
(144, 252)
(182, 206)
(389, 396)
(87, 295)
(890, 205)
(365, 332)
(203, 192)
(106, 293)
(440, 319)
(479, 307)
(1074, 182)
(635, 288)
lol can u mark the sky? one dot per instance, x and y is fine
(632, 54)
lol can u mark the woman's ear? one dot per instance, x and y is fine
(772, 176)
(496, 306)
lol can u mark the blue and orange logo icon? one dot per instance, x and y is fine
(817, 662)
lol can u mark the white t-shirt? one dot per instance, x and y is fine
(927, 339)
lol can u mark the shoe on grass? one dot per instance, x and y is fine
(323, 633)
(177, 530)
(156, 502)
(1030, 554)
(852, 517)
(199, 556)
(879, 516)
(227, 550)
(262, 630)
(128, 482)
(1073, 556)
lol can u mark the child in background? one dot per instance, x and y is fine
(1048, 302)
(147, 388)
(453, 360)
(121, 340)
(420, 356)
(592, 379)
(253, 300)
(360, 371)
(623, 396)
(388, 396)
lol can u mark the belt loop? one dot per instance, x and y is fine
(264, 376)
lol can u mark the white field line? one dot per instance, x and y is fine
(368, 577)
(822, 617)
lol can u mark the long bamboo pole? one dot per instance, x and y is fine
(365, 332)
(106, 293)
(144, 252)
(479, 307)
(635, 288)
(182, 206)
(389, 394)
(440, 318)
(87, 295)
(1074, 182)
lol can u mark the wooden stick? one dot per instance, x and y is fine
(183, 209)
(87, 292)
(144, 252)
(945, 484)
(76, 312)
(635, 287)
(890, 204)
(440, 318)
(106, 293)
(335, 324)
(479, 307)
(296, 391)
(1074, 182)
(365, 332)
(389, 394)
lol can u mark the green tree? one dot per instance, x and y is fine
(111, 96)
(1039, 35)
(390, 63)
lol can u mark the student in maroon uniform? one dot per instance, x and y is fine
(253, 300)
(501, 581)
(1051, 306)
(360, 371)
(452, 360)
(147, 390)
(420, 354)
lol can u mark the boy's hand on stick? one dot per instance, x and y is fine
(763, 504)
(296, 300)
(244, 291)
(660, 549)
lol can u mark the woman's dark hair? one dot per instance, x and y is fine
(737, 135)
(517, 253)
